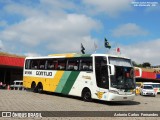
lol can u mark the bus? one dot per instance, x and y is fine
(156, 86)
(90, 76)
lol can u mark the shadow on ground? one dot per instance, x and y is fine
(117, 103)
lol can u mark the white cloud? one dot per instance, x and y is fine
(109, 7)
(74, 45)
(153, 9)
(1, 45)
(144, 51)
(129, 29)
(35, 30)
(56, 31)
(44, 8)
(32, 54)
(15, 8)
(58, 4)
(3, 23)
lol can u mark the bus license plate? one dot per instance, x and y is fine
(124, 97)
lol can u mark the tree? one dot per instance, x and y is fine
(136, 64)
(146, 64)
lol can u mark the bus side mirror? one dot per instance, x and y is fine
(111, 69)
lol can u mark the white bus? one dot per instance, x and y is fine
(90, 76)
(156, 86)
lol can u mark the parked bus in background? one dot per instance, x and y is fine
(90, 76)
(156, 86)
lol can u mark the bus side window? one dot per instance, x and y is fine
(85, 67)
(31, 66)
(52, 64)
(86, 64)
(61, 64)
(41, 67)
(42, 64)
(34, 64)
(51, 67)
(70, 67)
(73, 64)
(27, 64)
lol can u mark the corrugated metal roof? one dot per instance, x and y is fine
(11, 60)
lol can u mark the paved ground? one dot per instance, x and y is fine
(14, 100)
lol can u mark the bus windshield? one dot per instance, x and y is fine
(124, 74)
(120, 61)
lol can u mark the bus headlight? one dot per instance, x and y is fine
(113, 91)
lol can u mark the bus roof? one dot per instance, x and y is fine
(67, 55)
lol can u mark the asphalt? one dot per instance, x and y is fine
(21, 101)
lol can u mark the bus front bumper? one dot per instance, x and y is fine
(118, 97)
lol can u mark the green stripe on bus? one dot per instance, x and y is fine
(62, 81)
(70, 81)
(86, 55)
(82, 55)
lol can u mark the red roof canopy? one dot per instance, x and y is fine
(12, 61)
(147, 73)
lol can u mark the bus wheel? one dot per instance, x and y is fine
(39, 88)
(33, 86)
(86, 95)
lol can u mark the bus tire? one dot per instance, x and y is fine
(33, 86)
(40, 88)
(86, 95)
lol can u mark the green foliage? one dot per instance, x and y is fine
(145, 64)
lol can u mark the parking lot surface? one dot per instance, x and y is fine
(16, 100)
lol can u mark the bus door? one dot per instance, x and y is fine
(102, 77)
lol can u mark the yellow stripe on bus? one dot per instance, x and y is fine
(57, 78)
(65, 55)
(49, 84)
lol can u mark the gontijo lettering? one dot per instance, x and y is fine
(43, 73)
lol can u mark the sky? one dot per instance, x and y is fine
(42, 27)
